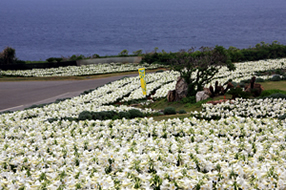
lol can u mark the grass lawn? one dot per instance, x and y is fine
(269, 85)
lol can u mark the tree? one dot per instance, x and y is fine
(7, 56)
(123, 53)
(198, 68)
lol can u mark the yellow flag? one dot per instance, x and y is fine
(142, 80)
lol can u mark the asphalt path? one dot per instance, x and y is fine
(23, 94)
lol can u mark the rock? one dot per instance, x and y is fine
(208, 91)
(180, 92)
(171, 97)
(201, 95)
(181, 89)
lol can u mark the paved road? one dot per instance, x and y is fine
(19, 95)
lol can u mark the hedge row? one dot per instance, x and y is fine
(259, 52)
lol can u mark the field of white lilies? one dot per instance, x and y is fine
(245, 148)
(92, 69)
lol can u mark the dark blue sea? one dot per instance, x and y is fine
(39, 29)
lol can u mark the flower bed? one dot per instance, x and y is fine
(244, 149)
(83, 70)
(142, 153)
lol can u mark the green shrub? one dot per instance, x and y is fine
(277, 95)
(50, 60)
(190, 99)
(169, 110)
(125, 115)
(242, 84)
(282, 117)
(135, 113)
(95, 56)
(276, 78)
(85, 115)
(238, 93)
(266, 93)
(259, 80)
(75, 57)
(58, 59)
(182, 111)
(245, 81)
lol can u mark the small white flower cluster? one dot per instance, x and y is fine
(255, 108)
(92, 69)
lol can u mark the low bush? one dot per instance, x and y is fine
(135, 113)
(282, 117)
(238, 93)
(125, 115)
(169, 110)
(276, 78)
(259, 80)
(182, 111)
(190, 99)
(50, 60)
(277, 95)
(267, 93)
(105, 115)
(242, 84)
(85, 115)
(245, 81)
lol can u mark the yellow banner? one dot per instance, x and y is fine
(142, 80)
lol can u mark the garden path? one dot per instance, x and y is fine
(20, 95)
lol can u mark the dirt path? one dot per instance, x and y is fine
(20, 95)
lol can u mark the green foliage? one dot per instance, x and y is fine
(138, 52)
(238, 93)
(277, 95)
(189, 99)
(259, 52)
(242, 84)
(135, 113)
(259, 80)
(95, 56)
(7, 56)
(123, 53)
(76, 57)
(198, 68)
(50, 60)
(105, 115)
(282, 117)
(182, 111)
(158, 57)
(245, 81)
(169, 110)
(267, 93)
(125, 115)
(276, 78)
(85, 115)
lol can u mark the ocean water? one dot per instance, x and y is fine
(39, 29)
